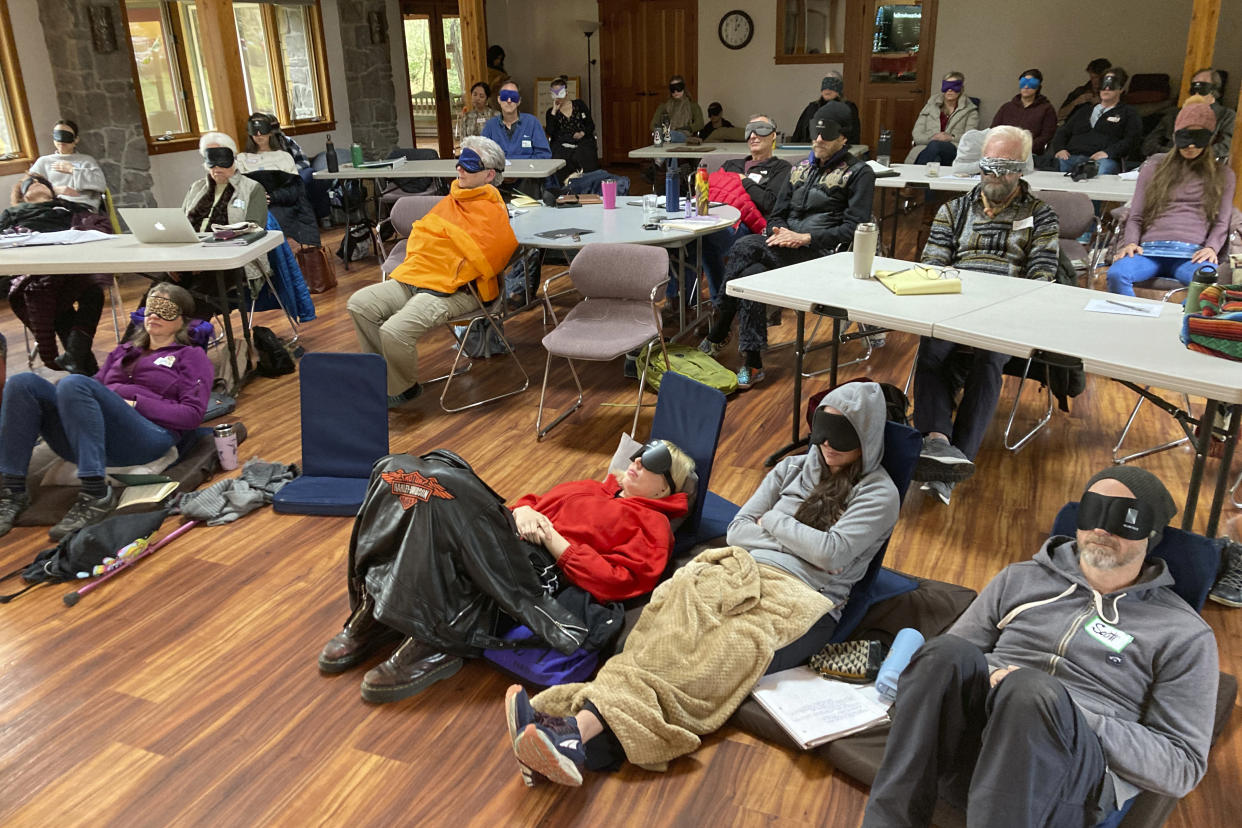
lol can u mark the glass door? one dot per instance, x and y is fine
(432, 37)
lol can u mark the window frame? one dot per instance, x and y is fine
(15, 93)
(802, 57)
(189, 140)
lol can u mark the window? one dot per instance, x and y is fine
(280, 46)
(810, 31)
(17, 142)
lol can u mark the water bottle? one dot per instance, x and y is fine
(884, 149)
(1206, 275)
(226, 445)
(672, 189)
(334, 165)
(355, 154)
(700, 189)
(865, 236)
(657, 137)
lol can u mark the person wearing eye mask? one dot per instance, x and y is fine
(681, 112)
(571, 132)
(1183, 202)
(1089, 92)
(844, 112)
(1074, 681)
(1206, 83)
(1030, 110)
(1105, 133)
(75, 176)
(269, 159)
(520, 135)
(942, 122)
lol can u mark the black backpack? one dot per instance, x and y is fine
(274, 357)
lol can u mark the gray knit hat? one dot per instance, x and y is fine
(1147, 489)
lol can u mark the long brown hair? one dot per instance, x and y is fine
(1174, 169)
(826, 502)
(184, 300)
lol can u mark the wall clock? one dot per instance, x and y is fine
(736, 29)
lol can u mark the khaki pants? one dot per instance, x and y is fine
(390, 318)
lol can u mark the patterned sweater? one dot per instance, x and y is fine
(1020, 241)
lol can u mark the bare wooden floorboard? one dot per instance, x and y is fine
(185, 691)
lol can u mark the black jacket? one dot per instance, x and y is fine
(773, 180)
(439, 552)
(289, 204)
(827, 200)
(1117, 132)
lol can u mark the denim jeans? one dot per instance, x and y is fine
(1125, 272)
(1107, 165)
(943, 151)
(81, 419)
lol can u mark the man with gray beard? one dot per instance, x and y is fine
(998, 227)
(1073, 681)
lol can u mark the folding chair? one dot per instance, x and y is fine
(344, 409)
(483, 320)
(1075, 216)
(405, 211)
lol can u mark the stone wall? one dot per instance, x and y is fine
(368, 78)
(97, 91)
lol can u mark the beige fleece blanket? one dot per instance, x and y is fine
(697, 650)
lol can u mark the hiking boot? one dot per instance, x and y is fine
(1228, 587)
(85, 511)
(77, 357)
(11, 505)
(361, 637)
(941, 461)
(398, 400)
(712, 348)
(748, 377)
(412, 668)
(552, 747)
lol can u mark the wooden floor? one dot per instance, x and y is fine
(185, 691)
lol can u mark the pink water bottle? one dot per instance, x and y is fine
(608, 192)
(226, 445)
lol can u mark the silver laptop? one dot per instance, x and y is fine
(160, 225)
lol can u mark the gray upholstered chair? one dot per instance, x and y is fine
(1075, 216)
(405, 211)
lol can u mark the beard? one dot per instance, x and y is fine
(1103, 553)
(999, 190)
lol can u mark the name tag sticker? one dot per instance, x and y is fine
(756, 177)
(1024, 224)
(239, 204)
(1108, 635)
(525, 143)
(168, 360)
(1113, 119)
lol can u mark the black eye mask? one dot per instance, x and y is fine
(1110, 82)
(835, 430)
(219, 157)
(676, 87)
(657, 459)
(1203, 88)
(1192, 137)
(64, 136)
(1124, 517)
(259, 126)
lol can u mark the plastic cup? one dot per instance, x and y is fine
(933, 169)
(608, 192)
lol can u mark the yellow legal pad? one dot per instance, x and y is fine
(919, 281)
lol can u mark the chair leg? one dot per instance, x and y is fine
(1153, 450)
(642, 382)
(1013, 412)
(1233, 491)
(453, 372)
(118, 308)
(810, 339)
(32, 349)
(293, 323)
(540, 430)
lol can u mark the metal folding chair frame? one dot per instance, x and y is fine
(482, 314)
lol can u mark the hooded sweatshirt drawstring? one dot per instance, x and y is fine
(1021, 608)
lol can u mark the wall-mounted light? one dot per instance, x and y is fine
(103, 29)
(378, 25)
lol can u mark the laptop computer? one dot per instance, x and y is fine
(160, 225)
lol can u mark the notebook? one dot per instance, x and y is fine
(814, 710)
(918, 281)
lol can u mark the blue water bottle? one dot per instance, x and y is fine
(672, 189)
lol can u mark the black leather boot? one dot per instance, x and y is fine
(77, 358)
(412, 668)
(362, 636)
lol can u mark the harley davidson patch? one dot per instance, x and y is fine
(412, 487)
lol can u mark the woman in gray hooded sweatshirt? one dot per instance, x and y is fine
(708, 635)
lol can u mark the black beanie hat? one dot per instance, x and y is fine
(1147, 489)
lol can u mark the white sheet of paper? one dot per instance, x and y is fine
(1125, 307)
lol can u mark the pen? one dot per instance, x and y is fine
(1139, 308)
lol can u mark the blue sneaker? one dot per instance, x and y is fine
(518, 714)
(748, 377)
(552, 747)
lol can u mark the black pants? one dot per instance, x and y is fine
(943, 368)
(1019, 754)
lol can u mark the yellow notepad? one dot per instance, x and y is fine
(918, 281)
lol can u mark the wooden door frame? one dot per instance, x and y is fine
(857, 74)
(435, 11)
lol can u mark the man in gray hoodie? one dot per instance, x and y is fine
(1073, 681)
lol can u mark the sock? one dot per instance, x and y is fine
(96, 487)
(16, 484)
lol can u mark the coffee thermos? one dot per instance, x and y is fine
(226, 445)
(865, 236)
(329, 149)
(1205, 275)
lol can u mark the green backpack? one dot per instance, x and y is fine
(688, 361)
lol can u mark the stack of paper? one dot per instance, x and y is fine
(814, 710)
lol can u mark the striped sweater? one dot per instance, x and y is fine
(1021, 241)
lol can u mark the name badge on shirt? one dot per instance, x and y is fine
(239, 204)
(1108, 635)
(756, 177)
(167, 360)
(1113, 119)
(1024, 224)
(526, 143)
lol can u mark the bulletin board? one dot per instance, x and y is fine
(543, 94)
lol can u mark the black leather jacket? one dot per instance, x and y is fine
(439, 552)
(827, 200)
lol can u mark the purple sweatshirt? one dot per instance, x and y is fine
(171, 385)
(1183, 220)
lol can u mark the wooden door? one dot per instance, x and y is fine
(893, 79)
(642, 43)
(432, 40)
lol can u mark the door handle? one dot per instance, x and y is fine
(919, 91)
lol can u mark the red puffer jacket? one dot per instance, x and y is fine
(726, 187)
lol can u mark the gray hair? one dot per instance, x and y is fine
(1012, 133)
(759, 115)
(489, 151)
(215, 138)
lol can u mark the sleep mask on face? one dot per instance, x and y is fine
(952, 85)
(1124, 517)
(219, 157)
(835, 430)
(1192, 138)
(470, 161)
(1028, 82)
(163, 307)
(657, 459)
(259, 126)
(64, 136)
(31, 180)
(559, 92)
(827, 129)
(1202, 88)
(509, 95)
(1001, 166)
(758, 128)
(1110, 82)
(679, 86)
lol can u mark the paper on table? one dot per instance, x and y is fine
(1125, 308)
(57, 237)
(814, 710)
(1132, 175)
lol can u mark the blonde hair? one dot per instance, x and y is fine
(683, 464)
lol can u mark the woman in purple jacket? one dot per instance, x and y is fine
(152, 389)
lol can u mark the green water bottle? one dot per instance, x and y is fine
(355, 154)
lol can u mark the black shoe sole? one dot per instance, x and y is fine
(929, 471)
(340, 665)
(384, 695)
